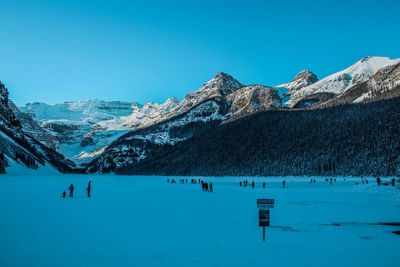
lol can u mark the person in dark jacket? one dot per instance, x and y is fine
(393, 180)
(284, 183)
(64, 194)
(89, 188)
(211, 189)
(71, 190)
(378, 181)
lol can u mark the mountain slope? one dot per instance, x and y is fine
(18, 146)
(251, 99)
(303, 79)
(135, 146)
(72, 122)
(385, 84)
(140, 144)
(355, 139)
(338, 83)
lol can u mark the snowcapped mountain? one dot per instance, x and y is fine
(220, 86)
(338, 83)
(385, 84)
(220, 100)
(303, 79)
(71, 122)
(137, 145)
(140, 117)
(85, 130)
(18, 145)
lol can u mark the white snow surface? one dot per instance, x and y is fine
(145, 221)
(339, 82)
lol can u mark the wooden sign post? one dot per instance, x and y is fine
(263, 206)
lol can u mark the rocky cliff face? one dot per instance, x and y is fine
(251, 99)
(18, 146)
(303, 79)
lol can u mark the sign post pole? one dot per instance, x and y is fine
(263, 233)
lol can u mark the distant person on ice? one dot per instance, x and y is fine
(88, 188)
(283, 183)
(378, 181)
(71, 190)
(211, 189)
(64, 194)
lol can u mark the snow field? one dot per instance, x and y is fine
(144, 221)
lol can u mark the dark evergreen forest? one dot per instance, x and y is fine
(351, 139)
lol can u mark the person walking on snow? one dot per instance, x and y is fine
(71, 190)
(64, 194)
(378, 180)
(283, 183)
(88, 189)
(211, 189)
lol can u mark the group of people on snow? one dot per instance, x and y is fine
(206, 187)
(71, 189)
(245, 183)
(379, 182)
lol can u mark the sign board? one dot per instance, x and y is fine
(265, 206)
(264, 203)
(263, 216)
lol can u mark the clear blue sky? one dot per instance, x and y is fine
(56, 51)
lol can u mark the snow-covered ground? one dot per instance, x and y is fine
(144, 221)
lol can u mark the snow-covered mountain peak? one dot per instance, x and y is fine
(172, 101)
(223, 83)
(339, 82)
(149, 113)
(303, 79)
(368, 66)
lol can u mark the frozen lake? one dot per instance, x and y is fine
(144, 221)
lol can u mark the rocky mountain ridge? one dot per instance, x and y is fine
(18, 146)
(95, 125)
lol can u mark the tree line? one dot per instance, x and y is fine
(350, 139)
